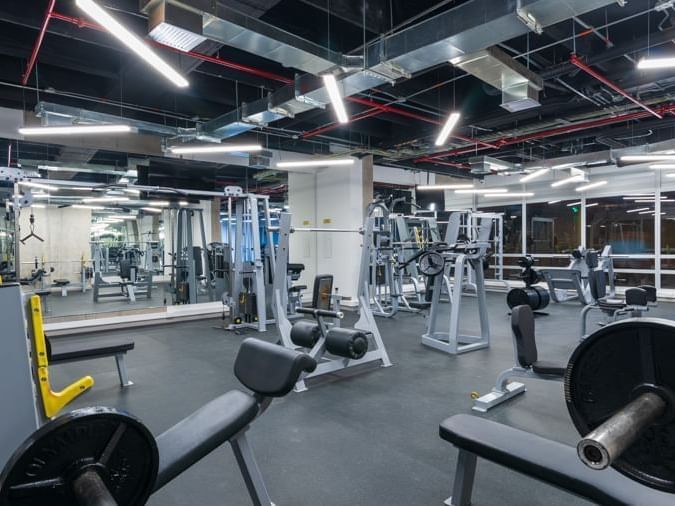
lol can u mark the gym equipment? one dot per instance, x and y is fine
(190, 268)
(534, 296)
(109, 458)
(32, 233)
(333, 348)
(250, 301)
(24, 371)
(294, 271)
(527, 365)
(635, 303)
(619, 390)
(133, 283)
(561, 281)
(619, 393)
(462, 257)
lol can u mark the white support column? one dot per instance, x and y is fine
(657, 231)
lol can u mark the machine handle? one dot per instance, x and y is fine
(320, 312)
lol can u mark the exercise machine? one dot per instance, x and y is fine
(573, 278)
(527, 365)
(133, 282)
(333, 347)
(620, 393)
(108, 458)
(536, 297)
(461, 257)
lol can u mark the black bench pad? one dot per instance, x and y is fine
(64, 349)
(549, 461)
(203, 431)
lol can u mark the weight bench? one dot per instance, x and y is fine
(548, 461)
(62, 284)
(527, 365)
(75, 349)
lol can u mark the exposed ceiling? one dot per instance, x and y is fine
(82, 67)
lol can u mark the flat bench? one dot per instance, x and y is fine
(548, 461)
(75, 349)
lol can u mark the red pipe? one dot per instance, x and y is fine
(444, 163)
(507, 141)
(38, 43)
(574, 60)
(332, 126)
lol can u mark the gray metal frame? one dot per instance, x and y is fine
(365, 323)
(249, 470)
(465, 473)
(183, 253)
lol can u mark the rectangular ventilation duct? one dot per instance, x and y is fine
(520, 87)
(176, 27)
(482, 165)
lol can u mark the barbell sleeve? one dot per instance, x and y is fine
(90, 490)
(602, 446)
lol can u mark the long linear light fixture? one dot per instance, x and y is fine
(317, 163)
(224, 148)
(638, 210)
(554, 201)
(482, 191)
(662, 166)
(593, 204)
(105, 199)
(590, 186)
(331, 85)
(447, 128)
(656, 63)
(75, 130)
(645, 212)
(514, 194)
(572, 204)
(572, 179)
(151, 209)
(132, 41)
(647, 158)
(534, 175)
(41, 186)
(425, 187)
(93, 208)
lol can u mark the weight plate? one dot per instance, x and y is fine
(607, 371)
(431, 263)
(116, 445)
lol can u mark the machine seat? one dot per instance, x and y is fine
(611, 303)
(61, 282)
(297, 288)
(549, 461)
(203, 431)
(419, 305)
(66, 349)
(550, 368)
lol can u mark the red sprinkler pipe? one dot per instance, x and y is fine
(38, 43)
(574, 60)
(456, 165)
(332, 126)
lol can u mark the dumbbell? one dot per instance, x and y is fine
(620, 393)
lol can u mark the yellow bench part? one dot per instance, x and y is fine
(53, 401)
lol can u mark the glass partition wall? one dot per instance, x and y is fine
(640, 227)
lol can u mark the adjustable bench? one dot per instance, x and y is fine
(75, 349)
(548, 461)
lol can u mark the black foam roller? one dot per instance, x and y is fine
(348, 343)
(305, 333)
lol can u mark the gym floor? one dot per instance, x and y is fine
(367, 439)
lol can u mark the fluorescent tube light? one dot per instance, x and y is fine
(424, 187)
(75, 130)
(93, 208)
(572, 179)
(645, 212)
(317, 163)
(647, 158)
(638, 210)
(563, 165)
(447, 128)
(483, 190)
(663, 166)
(159, 203)
(592, 205)
(533, 175)
(572, 204)
(590, 186)
(39, 206)
(331, 85)
(554, 201)
(656, 63)
(151, 209)
(672, 174)
(132, 41)
(183, 203)
(217, 148)
(122, 217)
(515, 194)
(41, 186)
(131, 191)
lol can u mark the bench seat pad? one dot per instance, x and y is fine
(81, 348)
(203, 431)
(549, 461)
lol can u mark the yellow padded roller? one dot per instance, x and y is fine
(53, 401)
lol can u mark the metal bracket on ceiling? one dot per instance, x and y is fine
(300, 97)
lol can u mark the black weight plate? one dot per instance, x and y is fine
(431, 263)
(118, 446)
(605, 373)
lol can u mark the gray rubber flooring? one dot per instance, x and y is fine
(367, 439)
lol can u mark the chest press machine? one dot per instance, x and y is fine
(334, 348)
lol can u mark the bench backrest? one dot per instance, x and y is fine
(522, 325)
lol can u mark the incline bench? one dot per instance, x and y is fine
(548, 461)
(75, 349)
